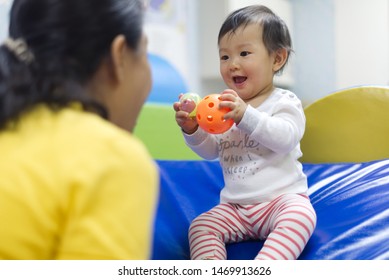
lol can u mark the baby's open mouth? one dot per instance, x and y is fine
(239, 79)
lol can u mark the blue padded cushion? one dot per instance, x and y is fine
(351, 202)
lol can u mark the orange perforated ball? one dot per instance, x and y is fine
(210, 117)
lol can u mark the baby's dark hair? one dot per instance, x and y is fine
(275, 32)
(68, 40)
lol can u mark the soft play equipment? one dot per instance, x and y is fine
(351, 201)
(350, 125)
(167, 82)
(156, 125)
(346, 160)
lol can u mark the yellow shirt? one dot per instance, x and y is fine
(74, 186)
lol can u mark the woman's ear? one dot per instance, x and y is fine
(280, 57)
(118, 57)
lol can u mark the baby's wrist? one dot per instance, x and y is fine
(189, 132)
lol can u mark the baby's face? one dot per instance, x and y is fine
(246, 66)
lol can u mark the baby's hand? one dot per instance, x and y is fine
(230, 99)
(188, 124)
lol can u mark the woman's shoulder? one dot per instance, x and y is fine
(74, 134)
(92, 132)
(72, 137)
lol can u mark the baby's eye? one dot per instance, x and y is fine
(244, 53)
(224, 57)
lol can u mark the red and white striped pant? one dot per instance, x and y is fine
(286, 223)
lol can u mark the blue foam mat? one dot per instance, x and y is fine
(351, 201)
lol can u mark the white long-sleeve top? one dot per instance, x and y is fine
(259, 156)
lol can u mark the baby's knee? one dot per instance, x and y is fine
(197, 225)
(201, 225)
